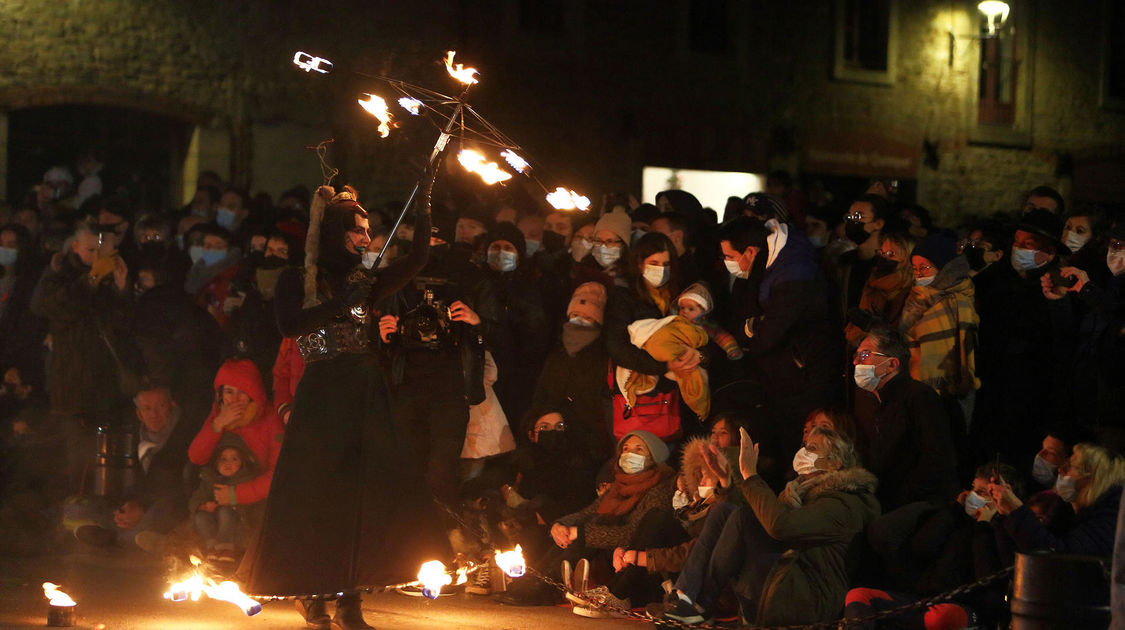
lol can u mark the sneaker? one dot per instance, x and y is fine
(581, 579)
(592, 613)
(566, 574)
(481, 582)
(683, 612)
(603, 597)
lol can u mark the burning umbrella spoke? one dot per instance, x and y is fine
(563, 199)
(490, 172)
(460, 72)
(377, 107)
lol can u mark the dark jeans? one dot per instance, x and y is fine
(220, 527)
(732, 544)
(658, 529)
(431, 410)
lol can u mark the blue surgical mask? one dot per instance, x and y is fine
(1044, 471)
(503, 261)
(225, 218)
(924, 282)
(212, 256)
(1024, 259)
(606, 255)
(8, 255)
(532, 246)
(818, 240)
(196, 253)
(180, 241)
(974, 502)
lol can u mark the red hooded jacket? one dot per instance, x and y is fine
(263, 434)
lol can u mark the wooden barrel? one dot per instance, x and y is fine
(1060, 591)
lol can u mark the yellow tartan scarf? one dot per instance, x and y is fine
(941, 325)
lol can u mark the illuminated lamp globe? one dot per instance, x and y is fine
(996, 12)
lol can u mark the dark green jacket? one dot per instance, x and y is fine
(809, 582)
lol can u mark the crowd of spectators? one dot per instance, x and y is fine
(804, 410)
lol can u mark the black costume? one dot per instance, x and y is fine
(344, 509)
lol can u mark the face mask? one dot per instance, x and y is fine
(734, 269)
(656, 275)
(974, 502)
(578, 320)
(925, 282)
(975, 256)
(273, 262)
(267, 280)
(180, 241)
(818, 240)
(503, 261)
(551, 441)
(883, 266)
(804, 462)
(1075, 241)
(152, 249)
(532, 246)
(606, 255)
(680, 500)
(225, 218)
(368, 259)
(212, 256)
(1066, 488)
(1044, 471)
(635, 236)
(8, 255)
(631, 463)
(706, 491)
(855, 232)
(1116, 262)
(196, 253)
(579, 248)
(200, 212)
(1024, 259)
(865, 377)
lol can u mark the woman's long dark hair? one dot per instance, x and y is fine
(649, 244)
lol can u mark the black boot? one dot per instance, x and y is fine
(349, 613)
(314, 612)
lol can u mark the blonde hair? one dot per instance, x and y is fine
(1102, 467)
(840, 447)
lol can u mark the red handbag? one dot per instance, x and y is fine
(655, 412)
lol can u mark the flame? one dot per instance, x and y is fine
(563, 199)
(377, 107)
(514, 160)
(490, 172)
(411, 105)
(57, 597)
(512, 562)
(459, 72)
(197, 585)
(433, 576)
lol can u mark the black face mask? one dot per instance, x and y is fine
(855, 231)
(975, 256)
(552, 241)
(552, 441)
(272, 262)
(883, 266)
(153, 249)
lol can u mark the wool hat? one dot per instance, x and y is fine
(699, 294)
(655, 445)
(939, 248)
(505, 231)
(617, 222)
(588, 302)
(645, 213)
(1046, 224)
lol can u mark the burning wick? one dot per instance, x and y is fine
(514, 160)
(309, 63)
(512, 562)
(197, 585)
(490, 172)
(411, 105)
(563, 199)
(377, 107)
(459, 72)
(433, 576)
(61, 611)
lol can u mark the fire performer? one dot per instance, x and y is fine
(345, 510)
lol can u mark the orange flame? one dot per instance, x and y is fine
(512, 562)
(433, 576)
(563, 199)
(459, 72)
(490, 172)
(57, 597)
(377, 107)
(197, 585)
(514, 160)
(411, 105)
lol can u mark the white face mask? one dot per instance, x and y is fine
(680, 500)
(734, 269)
(503, 261)
(1076, 241)
(656, 275)
(1024, 259)
(532, 246)
(1066, 488)
(974, 502)
(578, 320)
(924, 282)
(1044, 471)
(865, 377)
(369, 259)
(606, 255)
(804, 462)
(579, 247)
(818, 240)
(1116, 262)
(706, 491)
(631, 463)
(195, 252)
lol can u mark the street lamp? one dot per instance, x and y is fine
(996, 12)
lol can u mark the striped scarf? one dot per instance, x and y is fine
(941, 325)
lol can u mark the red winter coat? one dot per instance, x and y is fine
(263, 434)
(287, 372)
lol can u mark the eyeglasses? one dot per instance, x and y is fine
(863, 355)
(1116, 245)
(888, 254)
(921, 269)
(615, 241)
(855, 216)
(558, 427)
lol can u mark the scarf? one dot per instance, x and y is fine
(941, 326)
(575, 338)
(885, 295)
(661, 297)
(627, 490)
